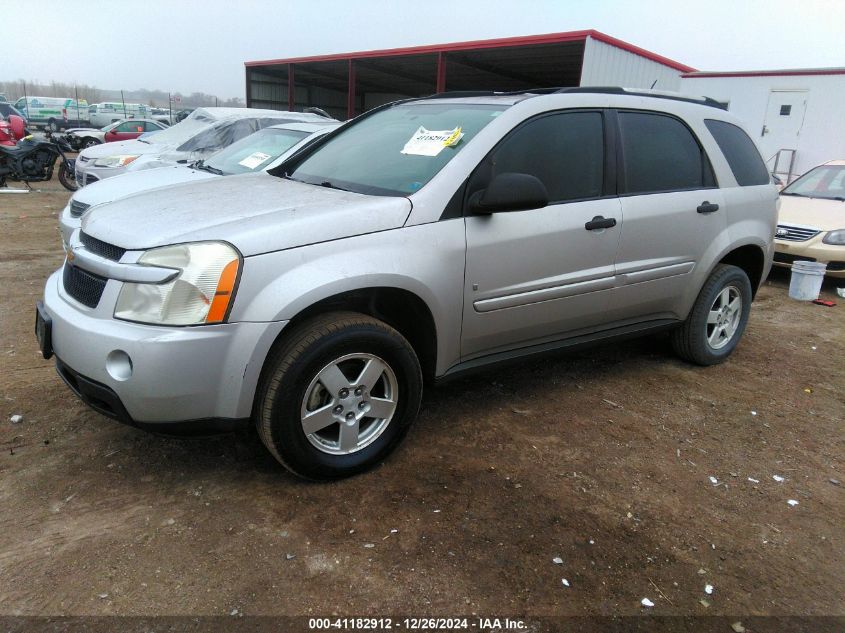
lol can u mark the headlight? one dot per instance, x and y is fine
(120, 160)
(201, 293)
(836, 238)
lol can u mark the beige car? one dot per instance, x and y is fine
(811, 220)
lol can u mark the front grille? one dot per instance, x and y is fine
(83, 286)
(785, 258)
(103, 249)
(78, 208)
(836, 266)
(792, 233)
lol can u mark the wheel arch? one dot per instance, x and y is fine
(403, 310)
(751, 258)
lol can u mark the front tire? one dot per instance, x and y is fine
(67, 178)
(337, 395)
(88, 142)
(717, 319)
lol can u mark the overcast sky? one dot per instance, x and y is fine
(200, 45)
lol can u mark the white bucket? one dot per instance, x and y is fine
(806, 281)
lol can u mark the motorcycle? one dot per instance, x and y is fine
(33, 160)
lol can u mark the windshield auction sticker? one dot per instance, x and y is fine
(254, 160)
(432, 142)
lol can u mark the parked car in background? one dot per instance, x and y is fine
(164, 116)
(426, 238)
(53, 113)
(132, 129)
(101, 114)
(205, 131)
(7, 110)
(83, 138)
(811, 219)
(263, 150)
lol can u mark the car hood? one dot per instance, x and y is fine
(122, 147)
(127, 184)
(258, 213)
(827, 215)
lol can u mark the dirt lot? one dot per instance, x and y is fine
(603, 459)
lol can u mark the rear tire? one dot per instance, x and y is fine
(717, 319)
(337, 395)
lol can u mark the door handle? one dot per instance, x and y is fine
(600, 222)
(707, 207)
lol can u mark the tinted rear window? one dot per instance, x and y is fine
(661, 154)
(740, 152)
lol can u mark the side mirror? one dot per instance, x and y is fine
(510, 192)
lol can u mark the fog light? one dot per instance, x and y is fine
(119, 365)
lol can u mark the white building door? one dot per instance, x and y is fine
(782, 128)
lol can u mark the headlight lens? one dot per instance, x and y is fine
(201, 293)
(119, 160)
(836, 238)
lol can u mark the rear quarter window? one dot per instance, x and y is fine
(745, 161)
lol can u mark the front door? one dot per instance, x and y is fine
(537, 275)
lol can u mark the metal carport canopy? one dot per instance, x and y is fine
(347, 84)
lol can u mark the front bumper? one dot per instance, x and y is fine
(85, 172)
(814, 250)
(204, 375)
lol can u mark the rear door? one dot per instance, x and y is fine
(126, 131)
(673, 214)
(535, 275)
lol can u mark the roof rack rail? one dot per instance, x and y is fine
(455, 94)
(707, 101)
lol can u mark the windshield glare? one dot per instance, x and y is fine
(827, 181)
(255, 151)
(389, 154)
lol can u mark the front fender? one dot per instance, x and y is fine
(426, 260)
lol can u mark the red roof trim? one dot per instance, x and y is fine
(768, 73)
(548, 38)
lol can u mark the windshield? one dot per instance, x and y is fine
(827, 181)
(255, 151)
(225, 133)
(185, 130)
(398, 150)
(106, 128)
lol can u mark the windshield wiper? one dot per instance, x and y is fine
(328, 184)
(200, 164)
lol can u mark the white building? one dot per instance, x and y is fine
(796, 117)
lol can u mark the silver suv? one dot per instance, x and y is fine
(425, 238)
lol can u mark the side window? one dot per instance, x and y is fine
(565, 151)
(745, 161)
(661, 154)
(128, 126)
